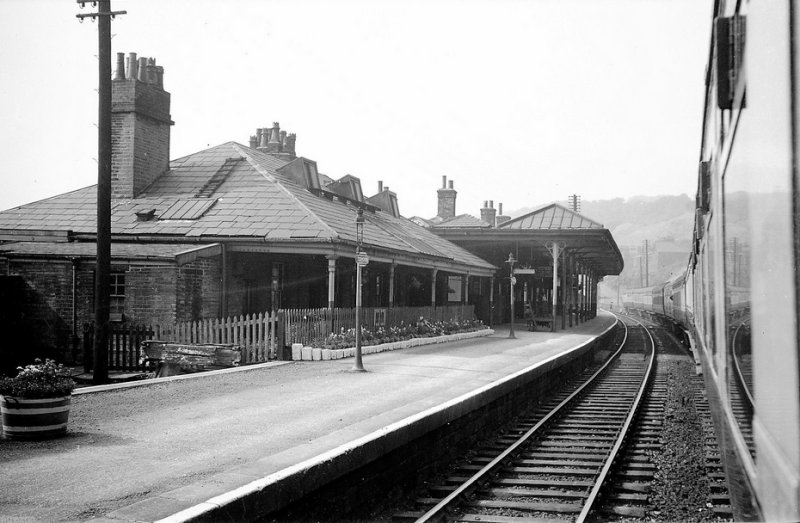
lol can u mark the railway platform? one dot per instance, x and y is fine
(218, 444)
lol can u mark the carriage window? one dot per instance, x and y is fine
(737, 245)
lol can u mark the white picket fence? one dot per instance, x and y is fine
(257, 335)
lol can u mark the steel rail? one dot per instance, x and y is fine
(594, 494)
(739, 373)
(438, 510)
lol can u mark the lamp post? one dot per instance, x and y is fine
(361, 260)
(511, 261)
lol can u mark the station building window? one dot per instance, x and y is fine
(117, 296)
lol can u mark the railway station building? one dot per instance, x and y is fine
(242, 229)
(233, 229)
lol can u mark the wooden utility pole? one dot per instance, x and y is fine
(103, 268)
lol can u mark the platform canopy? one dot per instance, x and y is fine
(530, 237)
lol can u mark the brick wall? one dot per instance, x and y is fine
(199, 285)
(37, 298)
(447, 203)
(150, 294)
(37, 311)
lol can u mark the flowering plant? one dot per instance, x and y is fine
(419, 329)
(40, 380)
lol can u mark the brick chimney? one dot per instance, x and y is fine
(501, 218)
(447, 200)
(488, 212)
(140, 125)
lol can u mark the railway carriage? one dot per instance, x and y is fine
(738, 296)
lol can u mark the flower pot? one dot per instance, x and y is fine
(34, 418)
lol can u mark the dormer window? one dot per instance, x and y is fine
(302, 171)
(348, 186)
(311, 175)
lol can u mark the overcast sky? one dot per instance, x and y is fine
(520, 102)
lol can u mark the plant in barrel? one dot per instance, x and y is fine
(35, 403)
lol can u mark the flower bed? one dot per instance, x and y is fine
(423, 332)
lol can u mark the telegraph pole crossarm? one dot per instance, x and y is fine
(108, 12)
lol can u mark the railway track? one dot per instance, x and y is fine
(552, 464)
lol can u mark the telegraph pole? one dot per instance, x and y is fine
(103, 267)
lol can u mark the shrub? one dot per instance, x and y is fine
(40, 380)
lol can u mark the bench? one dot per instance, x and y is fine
(169, 358)
(540, 321)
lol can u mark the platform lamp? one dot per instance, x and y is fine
(361, 260)
(511, 261)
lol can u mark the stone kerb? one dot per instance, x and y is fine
(301, 353)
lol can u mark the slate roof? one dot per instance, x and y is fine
(553, 216)
(232, 191)
(552, 222)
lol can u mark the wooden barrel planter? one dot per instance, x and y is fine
(34, 418)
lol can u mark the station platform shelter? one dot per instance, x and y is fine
(550, 261)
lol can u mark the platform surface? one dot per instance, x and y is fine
(143, 453)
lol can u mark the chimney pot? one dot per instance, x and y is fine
(444, 182)
(151, 76)
(451, 184)
(274, 144)
(253, 141)
(120, 74)
(264, 132)
(500, 208)
(491, 204)
(142, 70)
(133, 67)
(380, 185)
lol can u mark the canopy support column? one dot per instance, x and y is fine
(391, 284)
(434, 272)
(331, 281)
(571, 288)
(564, 290)
(491, 301)
(581, 290)
(555, 249)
